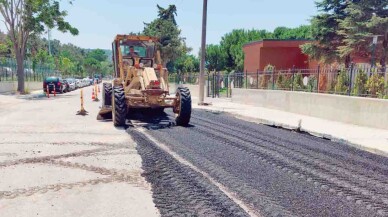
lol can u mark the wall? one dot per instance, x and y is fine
(6, 87)
(252, 57)
(352, 110)
(194, 89)
(283, 58)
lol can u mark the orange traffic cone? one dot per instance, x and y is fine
(93, 96)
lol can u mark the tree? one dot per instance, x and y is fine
(215, 58)
(364, 19)
(301, 32)
(171, 44)
(324, 29)
(23, 18)
(232, 44)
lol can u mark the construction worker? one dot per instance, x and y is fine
(132, 52)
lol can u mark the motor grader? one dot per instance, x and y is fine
(140, 83)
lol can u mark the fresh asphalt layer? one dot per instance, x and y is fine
(273, 171)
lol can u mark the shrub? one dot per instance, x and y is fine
(360, 84)
(298, 81)
(375, 85)
(342, 84)
(280, 82)
(312, 83)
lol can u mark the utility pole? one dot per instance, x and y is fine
(203, 53)
(49, 39)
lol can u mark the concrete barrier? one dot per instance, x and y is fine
(11, 86)
(193, 88)
(353, 110)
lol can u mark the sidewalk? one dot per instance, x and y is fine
(365, 138)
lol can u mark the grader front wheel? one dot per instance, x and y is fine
(183, 106)
(119, 108)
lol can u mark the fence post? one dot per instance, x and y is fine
(293, 78)
(257, 78)
(246, 79)
(273, 79)
(350, 79)
(213, 86)
(319, 68)
(208, 85)
(227, 86)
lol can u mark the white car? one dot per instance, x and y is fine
(86, 82)
(78, 83)
(71, 82)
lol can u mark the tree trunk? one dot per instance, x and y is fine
(20, 72)
(347, 61)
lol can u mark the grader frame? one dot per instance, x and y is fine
(140, 82)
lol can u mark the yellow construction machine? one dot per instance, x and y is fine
(140, 82)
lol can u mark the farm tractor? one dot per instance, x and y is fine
(140, 83)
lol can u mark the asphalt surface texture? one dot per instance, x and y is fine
(274, 171)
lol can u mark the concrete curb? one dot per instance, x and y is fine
(300, 129)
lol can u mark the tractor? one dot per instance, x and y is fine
(140, 83)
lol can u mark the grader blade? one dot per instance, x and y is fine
(105, 114)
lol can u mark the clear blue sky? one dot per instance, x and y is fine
(99, 21)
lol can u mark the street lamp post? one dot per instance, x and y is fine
(203, 53)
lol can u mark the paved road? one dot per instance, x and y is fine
(264, 171)
(54, 163)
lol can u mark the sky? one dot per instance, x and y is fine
(100, 20)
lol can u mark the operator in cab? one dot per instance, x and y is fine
(132, 52)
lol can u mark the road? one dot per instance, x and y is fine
(55, 163)
(223, 166)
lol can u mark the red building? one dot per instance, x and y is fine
(283, 54)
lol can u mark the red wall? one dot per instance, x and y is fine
(283, 54)
(283, 58)
(252, 58)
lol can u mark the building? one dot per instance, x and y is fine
(283, 54)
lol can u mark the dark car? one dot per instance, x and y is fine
(54, 83)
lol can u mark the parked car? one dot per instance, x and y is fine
(54, 83)
(86, 82)
(77, 83)
(71, 82)
(66, 87)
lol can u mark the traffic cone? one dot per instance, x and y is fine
(82, 112)
(93, 96)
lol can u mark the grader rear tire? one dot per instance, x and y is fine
(107, 94)
(183, 107)
(119, 109)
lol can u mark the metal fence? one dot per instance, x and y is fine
(8, 70)
(352, 81)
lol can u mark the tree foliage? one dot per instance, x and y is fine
(171, 44)
(24, 18)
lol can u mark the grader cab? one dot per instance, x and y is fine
(140, 82)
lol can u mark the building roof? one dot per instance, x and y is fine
(276, 40)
